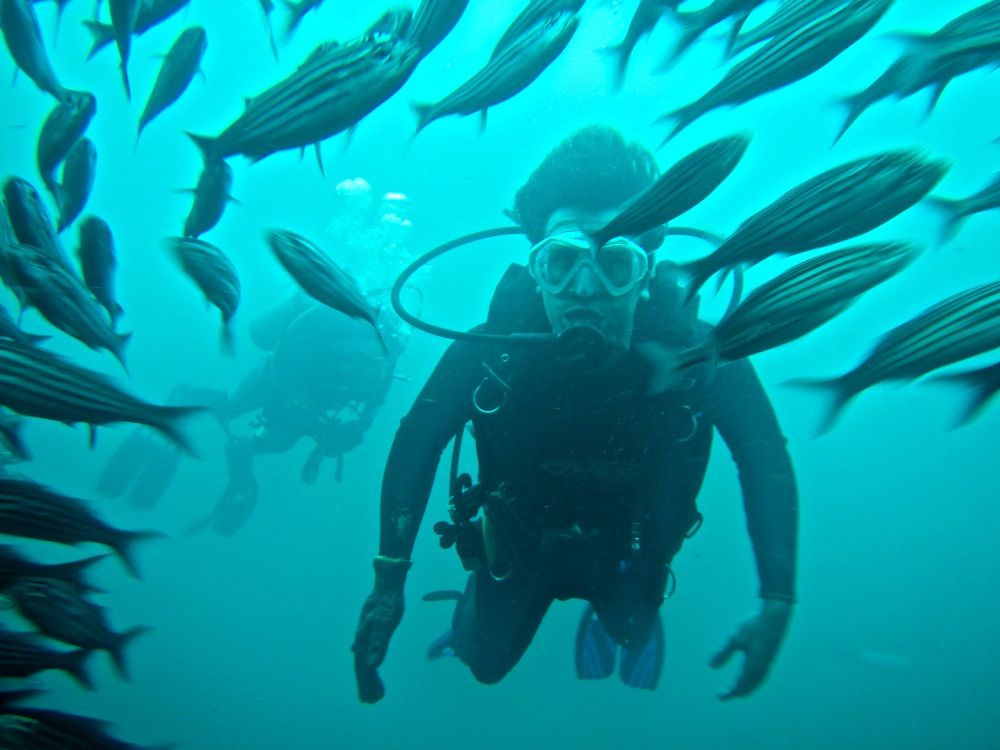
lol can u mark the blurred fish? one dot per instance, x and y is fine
(682, 187)
(31, 222)
(838, 204)
(77, 181)
(956, 211)
(36, 383)
(695, 23)
(24, 40)
(505, 75)
(800, 300)
(210, 198)
(267, 7)
(61, 612)
(123, 18)
(790, 15)
(25, 654)
(647, 15)
(786, 59)
(14, 566)
(9, 329)
(980, 21)
(297, 11)
(150, 13)
(433, 21)
(11, 445)
(337, 86)
(98, 262)
(321, 278)
(982, 385)
(47, 729)
(35, 512)
(63, 127)
(214, 274)
(961, 326)
(60, 8)
(179, 67)
(535, 13)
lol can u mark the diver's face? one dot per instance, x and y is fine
(586, 299)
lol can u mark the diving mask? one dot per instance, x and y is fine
(558, 260)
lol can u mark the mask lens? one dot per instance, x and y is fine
(560, 261)
(623, 264)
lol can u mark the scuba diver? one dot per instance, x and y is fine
(588, 476)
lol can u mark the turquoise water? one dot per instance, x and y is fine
(893, 642)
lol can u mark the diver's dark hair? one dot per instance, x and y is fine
(593, 169)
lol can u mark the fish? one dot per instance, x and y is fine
(214, 274)
(47, 729)
(433, 21)
(24, 40)
(98, 263)
(179, 66)
(695, 23)
(78, 174)
(535, 13)
(297, 11)
(980, 21)
(63, 127)
(504, 76)
(267, 8)
(37, 383)
(799, 301)
(790, 15)
(14, 566)
(838, 204)
(60, 9)
(9, 329)
(31, 223)
(963, 325)
(644, 20)
(981, 384)
(61, 612)
(321, 278)
(25, 654)
(785, 59)
(150, 13)
(12, 447)
(686, 184)
(123, 18)
(333, 90)
(957, 210)
(210, 198)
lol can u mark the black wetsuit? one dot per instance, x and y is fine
(592, 482)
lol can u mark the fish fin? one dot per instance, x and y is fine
(734, 32)
(856, 105)
(92, 436)
(482, 120)
(668, 364)
(72, 572)
(125, 81)
(185, 191)
(682, 117)
(641, 666)
(697, 273)
(911, 40)
(981, 387)
(122, 543)
(122, 340)
(840, 391)
(595, 651)
(12, 433)
(205, 144)
(74, 665)
(952, 218)
(349, 136)
(117, 649)
(936, 90)
(237, 201)
(443, 645)
(319, 158)
(226, 344)
(163, 418)
(102, 34)
(449, 595)
(12, 697)
(691, 29)
(425, 115)
(115, 313)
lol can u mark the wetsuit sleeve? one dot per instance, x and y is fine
(742, 412)
(441, 409)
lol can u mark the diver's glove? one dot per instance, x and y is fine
(758, 637)
(380, 616)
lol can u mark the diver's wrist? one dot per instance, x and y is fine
(390, 572)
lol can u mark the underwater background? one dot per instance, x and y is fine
(894, 640)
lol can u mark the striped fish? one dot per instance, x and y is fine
(214, 274)
(696, 23)
(36, 383)
(838, 204)
(47, 729)
(24, 40)
(961, 326)
(535, 13)
(505, 75)
(9, 329)
(785, 59)
(686, 184)
(957, 210)
(25, 654)
(337, 86)
(31, 222)
(644, 20)
(77, 182)
(982, 385)
(58, 610)
(433, 21)
(980, 21)
(32, 511)
(790, 15)
(800, 300)
(15, 566)
(150, 13)
(321, 278)
(181, 62)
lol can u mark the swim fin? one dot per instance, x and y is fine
(641, 665)
(143, 463)
(595, 651)
(443, 645)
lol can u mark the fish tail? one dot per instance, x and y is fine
(697, 273)
(117, 649)
(115, 312)
(72, 572)
(102, 33)
(856, 105)
(841, 391)
(981, 388)
(226, 344)
(73, 663)
(13, 697)
(951, 215)
(123, 544)
(205, 144)
(682, 117)
(121, 341)
(620, 53)
(12, 433)
(425, 115)
(125, 81)
(163, 420)
(911, 40)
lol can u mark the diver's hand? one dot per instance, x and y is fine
(380, 616)
(758, 637)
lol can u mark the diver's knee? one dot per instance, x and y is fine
(489, 673)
